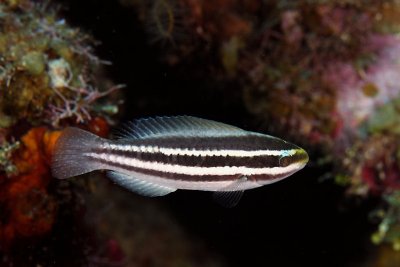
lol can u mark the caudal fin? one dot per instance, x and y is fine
(69, 157)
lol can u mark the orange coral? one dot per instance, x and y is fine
(99, 126)
(30, 210)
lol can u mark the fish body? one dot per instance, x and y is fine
(157, 156)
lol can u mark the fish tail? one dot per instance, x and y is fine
(69, 158)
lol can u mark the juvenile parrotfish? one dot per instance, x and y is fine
(157, 156)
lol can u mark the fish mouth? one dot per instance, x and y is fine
(302, 157)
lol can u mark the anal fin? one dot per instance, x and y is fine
(139, 186)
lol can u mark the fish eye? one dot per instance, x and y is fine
(284, 161)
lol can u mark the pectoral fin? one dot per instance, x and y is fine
(230, 195)
(228, 199)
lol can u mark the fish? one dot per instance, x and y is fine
(158, 155)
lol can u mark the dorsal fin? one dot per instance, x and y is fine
(176, 126)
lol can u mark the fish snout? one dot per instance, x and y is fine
(302, 157)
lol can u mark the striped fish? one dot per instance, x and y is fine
(157, 156)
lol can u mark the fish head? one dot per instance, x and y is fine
(283, 163)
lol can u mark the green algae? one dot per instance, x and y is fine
(34, 62)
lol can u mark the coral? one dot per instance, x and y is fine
(276, 51)
(49, 78)
(48, 69)
(371, 165)
(29, 207)
(292, 71)
(362, 91)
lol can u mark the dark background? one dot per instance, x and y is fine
(299, 221)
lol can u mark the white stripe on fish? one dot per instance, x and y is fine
(199, 153)
(195, 171)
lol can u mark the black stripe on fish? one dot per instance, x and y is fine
(248, 142)
(177, 176)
